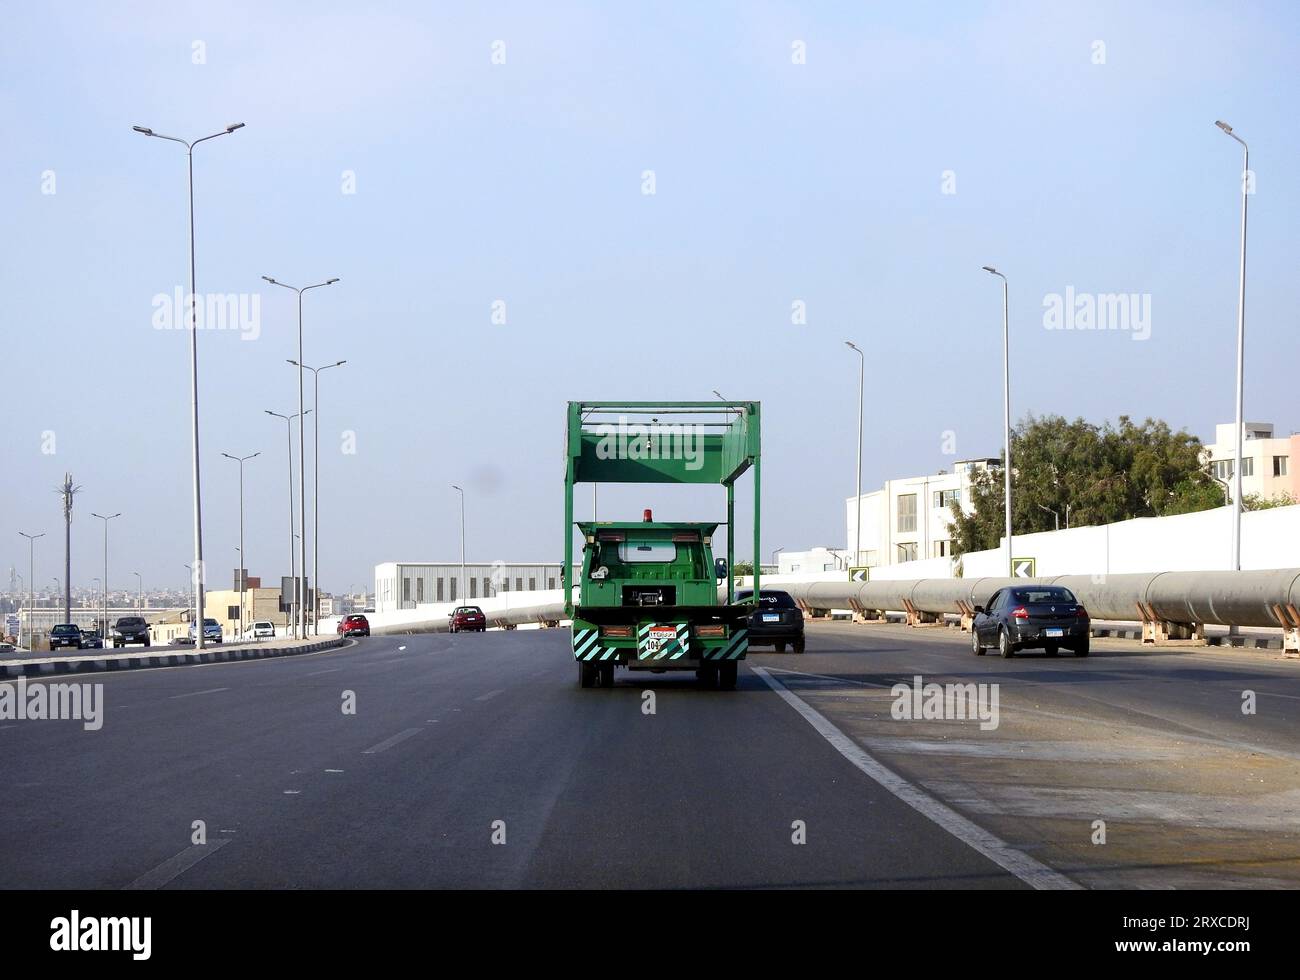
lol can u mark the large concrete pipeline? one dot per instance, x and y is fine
(1218, 598)
(1221, 598)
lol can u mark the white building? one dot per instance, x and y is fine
(813, 560)
(1266, 467)
(406, 585)
(910, 519)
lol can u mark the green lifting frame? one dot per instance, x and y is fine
(630, 442)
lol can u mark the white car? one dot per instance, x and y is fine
(260, 629)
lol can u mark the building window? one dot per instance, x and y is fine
(907, 552)
(473, 587)
(1223, 469)
(943, 549)
(942, 498)
(1247, 466)
(487, 586)
(440, 588)
(406, 590)
(532, 585)
(419, 589)
(1279, 466)
(550, 582)
(519, 584)
(453, 589)
(907, 513)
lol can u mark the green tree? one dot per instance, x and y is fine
(1100, 473)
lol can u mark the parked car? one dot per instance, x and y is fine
(354, 625)
(261, 629)
(130, 629)
(211, 631)
(65, 635)
(91, 639)
(466, 619)
(1022, 617)
(776, 621)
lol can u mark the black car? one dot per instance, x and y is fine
(776, 622)
(91, 640)
(130, 629)
(65, 635)
(1021, 617)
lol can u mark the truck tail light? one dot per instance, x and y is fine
(616, 631)
(710, 631)
(1020, 612)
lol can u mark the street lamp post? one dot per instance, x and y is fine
(1006, 409)
(31, 587)
(462, 540)
(1241, 351)
(243, 565)
(293, 569)
(106, 520)
(315, 494)
(857, 500)
(300, 590)
(139, 590)
(1054, 514)
(194, 369)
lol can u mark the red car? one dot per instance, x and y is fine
(355, 625)
(466, 618)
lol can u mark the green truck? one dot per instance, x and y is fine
(649, 593)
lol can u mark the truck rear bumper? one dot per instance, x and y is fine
(682, 651)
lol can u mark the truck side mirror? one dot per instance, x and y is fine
(719, 568)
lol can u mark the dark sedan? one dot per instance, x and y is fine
(65, 635)
(1022, 617)
(776, 622)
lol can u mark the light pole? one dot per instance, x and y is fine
(857, 499)
(1006, 407)
(139, 590)
(293, 569)
(106, 520)
(243, 566)
(189, 570)
(462, 540)
(194, 369)
(1241, 351)
(1053, 513)
(31, 587)
(300, 590)
(315, 494)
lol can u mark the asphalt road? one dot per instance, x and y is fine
(475, 761)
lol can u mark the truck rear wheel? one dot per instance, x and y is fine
(586, 674)
(727, 675)
(607, 674)
(707, 676)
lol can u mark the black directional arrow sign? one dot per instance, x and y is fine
(859, 573)
(1024, 567)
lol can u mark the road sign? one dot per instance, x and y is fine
(1024, 567)
(11, 624)
(860, 573)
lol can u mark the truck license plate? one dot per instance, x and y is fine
(658, 636)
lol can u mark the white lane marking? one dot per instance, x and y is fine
(392, 740)
(490, 695)
(401, 648)
(333, 770)
(328, 670)
(292, 792)
(177, 865)
(1270, 694)
(1031, 872)
(195, 694)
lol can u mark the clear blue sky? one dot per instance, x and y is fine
(522, 182)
